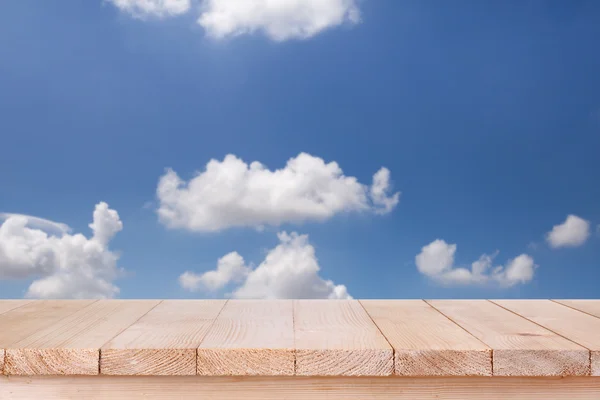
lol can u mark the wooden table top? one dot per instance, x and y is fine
(414, 338)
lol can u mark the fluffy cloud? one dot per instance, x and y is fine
(571, 233)
(277, 19)
(232, 193)
(230, 268)
(63, 265)
(436, 260)
(153, 8)
(289, 271)
(39, 223)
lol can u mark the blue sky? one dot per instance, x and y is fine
(486, 114)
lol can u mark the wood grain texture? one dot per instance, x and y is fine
(520, 347)
(162, 342)
(21, 322)
(337, 337)
(250, 337)
(297, 388)
(71, 346)
(426, 343)
(591, 307)
(7, 305)
(574, 325)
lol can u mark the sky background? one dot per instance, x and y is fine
(486, 114)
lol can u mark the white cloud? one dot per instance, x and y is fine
(289, 271)
(278, 19)
(436, 260)
(64, 265)
(153, 8)
(571, 233)
(230, 268)
(39, 223)
(231, 193)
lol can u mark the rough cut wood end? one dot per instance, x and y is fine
(148, 362)
(245, 362)
(541, 362)
(367, 362)
(595, 361)
(443, 363)
(52, 361)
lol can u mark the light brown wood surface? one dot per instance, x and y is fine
(337, 337)
(297, 388)
(71, 345)
(520, 347)
(591, 307)
(21, 318)
(426, 343)
(578, 326)
(163, 342)
(301, 337)
(21, 322)
(7, 305)
(250, 337)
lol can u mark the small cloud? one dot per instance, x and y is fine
(279, 20)
(153, 8)
(436, 261)
(533, 246)
(571, 233)
(230, 268)
(289, 271)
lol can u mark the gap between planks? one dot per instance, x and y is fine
(382, 334)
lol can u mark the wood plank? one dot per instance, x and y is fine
(426, 343)
(520, 347)
(574, 325)
(7, 305)
(591, 307)
(297, 388)
(72, 345)
(162, 342)
(337, 337)
(24, 321)
(250, 337)
(21, 318)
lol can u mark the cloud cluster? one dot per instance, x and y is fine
(232, 193)
(63, 265)
(289, 271)
(571, 233)
(279, 20)
(436, 260)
